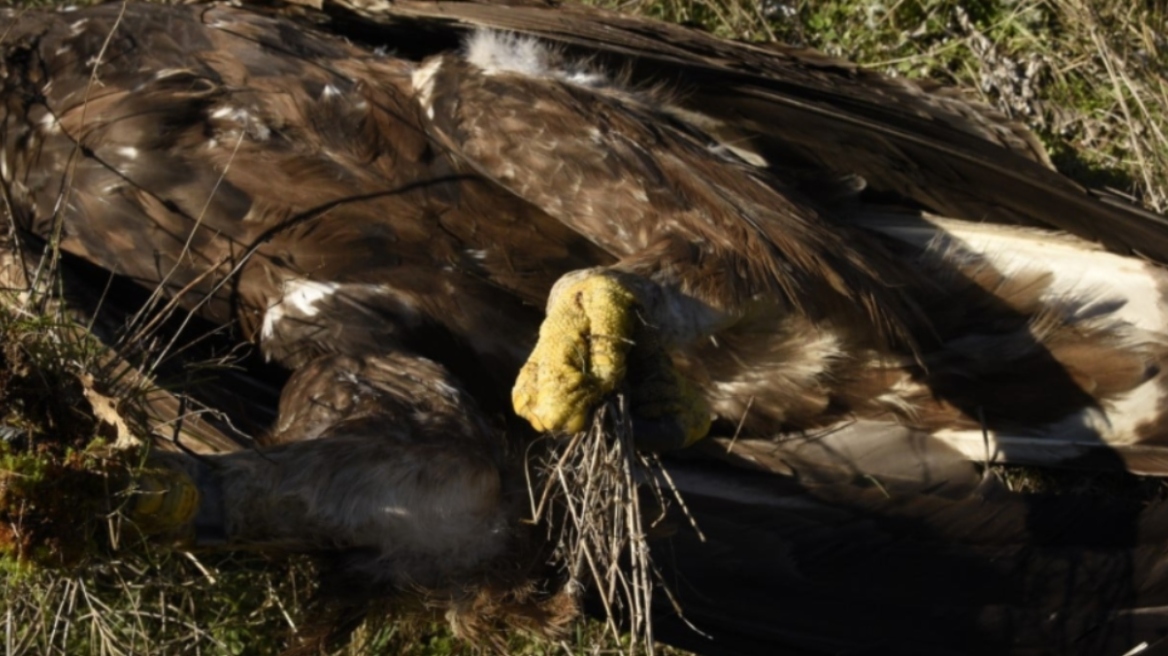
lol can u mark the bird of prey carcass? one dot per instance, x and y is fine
(824, 294)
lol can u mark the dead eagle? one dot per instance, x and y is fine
(852, 285)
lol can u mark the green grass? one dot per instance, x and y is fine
(1085, 75)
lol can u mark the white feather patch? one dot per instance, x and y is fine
(1079, 269)
(503, 52)
(1076, 435)
(422, 80)
(252, 125)
(500, 52)
(300, 297)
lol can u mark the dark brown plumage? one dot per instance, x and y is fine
(388, 227)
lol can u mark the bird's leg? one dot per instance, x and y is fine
(604, 328)
(383, 455)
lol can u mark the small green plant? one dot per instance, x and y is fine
(59, 476)
(55, 506)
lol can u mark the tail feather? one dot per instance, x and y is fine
(846, 568)
(894, 457)
(1094, 321)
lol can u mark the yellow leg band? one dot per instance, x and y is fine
(166, 499)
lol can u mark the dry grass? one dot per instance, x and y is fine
(602, 498)
(77, 579)
(82, 582)
(1086, 75)
(155, 603)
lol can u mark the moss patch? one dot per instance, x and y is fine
(55, 504)
(58, 477)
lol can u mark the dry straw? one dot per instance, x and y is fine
(601, 499)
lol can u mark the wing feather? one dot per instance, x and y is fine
(951, 155)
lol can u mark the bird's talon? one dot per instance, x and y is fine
(589, 342)
(580, 355)
(669, 412)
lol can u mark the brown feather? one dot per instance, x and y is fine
(949, 154)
